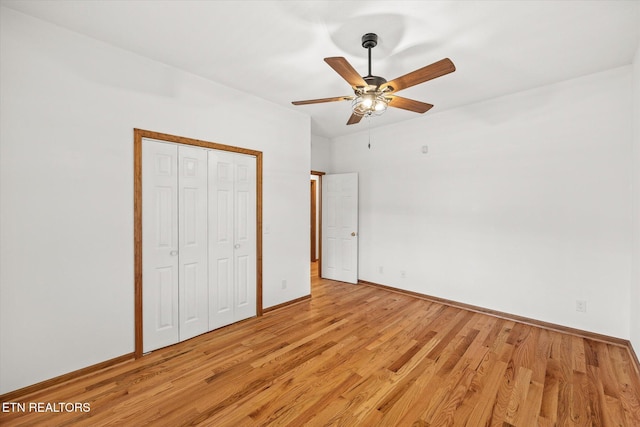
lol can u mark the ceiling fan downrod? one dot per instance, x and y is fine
(369, 40)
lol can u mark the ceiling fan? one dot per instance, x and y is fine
(372, 94)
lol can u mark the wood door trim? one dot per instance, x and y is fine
(138, 135)
(314, 208)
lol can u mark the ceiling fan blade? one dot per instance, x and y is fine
(409, 104)
(421, 75)
(354, 119)
(320, 100)
(346, 71)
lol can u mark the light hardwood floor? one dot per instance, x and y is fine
(357, 355)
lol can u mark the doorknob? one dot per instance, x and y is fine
(237, 246)
(353, 234)
(173, 253)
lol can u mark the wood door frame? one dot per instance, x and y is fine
(314, 227)
(138, 135)
(319, 237)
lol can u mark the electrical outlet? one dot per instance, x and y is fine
(403, 274)
(380, 270)
(284, 284)
(581, 306)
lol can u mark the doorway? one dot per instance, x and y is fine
(315, 225)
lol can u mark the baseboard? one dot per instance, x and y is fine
(12, 395)
(521, 319)
(288, 303)
(634, 357)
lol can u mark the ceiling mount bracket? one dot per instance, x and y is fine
(369, 40)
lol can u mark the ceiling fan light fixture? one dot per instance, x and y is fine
(368, 104)
(373, 94)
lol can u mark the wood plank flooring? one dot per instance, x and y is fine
(356, 355)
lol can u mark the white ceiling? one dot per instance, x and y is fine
(275, 49)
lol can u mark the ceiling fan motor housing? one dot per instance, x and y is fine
(374, 80)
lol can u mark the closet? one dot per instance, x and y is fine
(198, 240)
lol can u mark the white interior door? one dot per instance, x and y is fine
(340, 227)
(160, 245)
(232, 241)
(193, 247)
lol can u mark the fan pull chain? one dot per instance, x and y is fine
(369, 127)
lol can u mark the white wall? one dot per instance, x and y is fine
(635, 279)
(320, 153)
(68, 108)
(521, 205)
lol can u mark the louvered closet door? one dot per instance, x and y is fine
(232, 238)
(160, 267)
